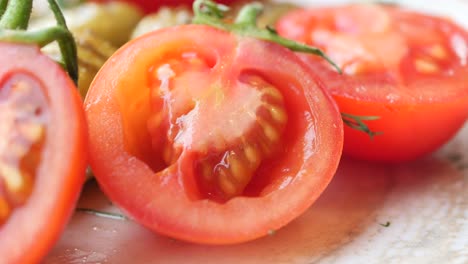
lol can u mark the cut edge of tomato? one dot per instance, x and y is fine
(114, 166)
(63, 182)
(392, 89)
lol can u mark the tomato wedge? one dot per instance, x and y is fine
(208, 137)
(42, 152)
(408, 69)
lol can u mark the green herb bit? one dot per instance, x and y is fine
(102, 214)
(357, 122)
(207, 12)
(387, 224)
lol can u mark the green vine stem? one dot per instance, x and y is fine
(207, 12)
(16, 15)
(66, 43)
(3, 5)
(357, 122)
(15, 20)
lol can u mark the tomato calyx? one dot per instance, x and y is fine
(14, 20)
(210, 13)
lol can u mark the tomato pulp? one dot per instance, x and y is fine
(42, 152)
(406, 68)
(208, 137)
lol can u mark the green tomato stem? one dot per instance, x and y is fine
(3, 5)
(207, 12)
(66, 43)
(39, 37)
(248, 16)
(16, 15)
(43, 37)
(14, 22)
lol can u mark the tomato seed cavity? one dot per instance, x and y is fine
(22, 126)
(231, 129)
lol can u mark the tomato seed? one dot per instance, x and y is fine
(252, 155)
(438, 52)
(237, 168)
(425, 66)
(277, 113)
(226, 185)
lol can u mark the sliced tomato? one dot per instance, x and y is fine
(406, 68)
(208, 137)
(42, 152)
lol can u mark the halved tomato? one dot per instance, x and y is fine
(408, 69)
(208, 137)
(42, 152)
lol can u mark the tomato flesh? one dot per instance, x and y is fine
(406, 68)
(230, 130)
(249, 143)
(42, 152)
(23, 119)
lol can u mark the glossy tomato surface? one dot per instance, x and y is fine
(406, 68)
(42, 152)
(208, 137)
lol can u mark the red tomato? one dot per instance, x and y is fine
(409, 69)
(149, 6)
(208, 137)
(42, 152)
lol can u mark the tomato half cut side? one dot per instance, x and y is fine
(408, 69)
(216, 139)
(42, 152)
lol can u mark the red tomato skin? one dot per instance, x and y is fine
(32, 229)
(158, 200)
(395, 145)
(412, 127)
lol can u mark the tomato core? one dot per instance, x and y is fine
(22, 127)
(228, 129)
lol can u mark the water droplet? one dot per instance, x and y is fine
(392, 97)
